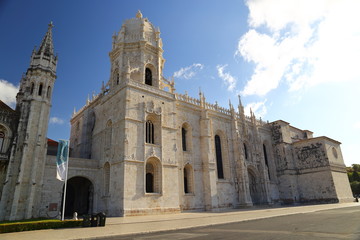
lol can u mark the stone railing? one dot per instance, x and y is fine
(187, 98)
(149, 88)
(88, 102)
(216, 107)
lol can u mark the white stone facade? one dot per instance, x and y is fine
(141, 148)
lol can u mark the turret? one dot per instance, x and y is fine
(42, 60)
(137, 53)
(22, 189)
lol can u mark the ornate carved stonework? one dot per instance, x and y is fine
(311, 156)
(281, 160)
(150, 108)
(276, 133)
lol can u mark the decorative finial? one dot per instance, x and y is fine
(51, 25)
(240, 103)
(139, 14)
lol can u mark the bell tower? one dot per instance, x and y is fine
(137, 53)
(22, 188)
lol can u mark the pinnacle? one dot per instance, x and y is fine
(47, 44)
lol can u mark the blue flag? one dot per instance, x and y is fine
(62, 159)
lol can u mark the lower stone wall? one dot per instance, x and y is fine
(317, 187)
(288, 191)
(51, 195)
(149, 211)
(274, 193)
(342, 186)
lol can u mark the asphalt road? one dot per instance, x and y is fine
(343, 223)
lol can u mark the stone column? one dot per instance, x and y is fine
(207, 157)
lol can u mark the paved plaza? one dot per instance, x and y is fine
(117, 227)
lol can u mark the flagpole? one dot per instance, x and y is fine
(66, 175)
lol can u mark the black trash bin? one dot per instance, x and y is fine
(101, 219)
(94, 220)
(86, 221)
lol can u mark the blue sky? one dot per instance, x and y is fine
(290, 60)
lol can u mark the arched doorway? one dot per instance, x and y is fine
(254, 188)
(79, 196)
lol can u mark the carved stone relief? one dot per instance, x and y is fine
(276, 133)
(150, 108)
(311, 156)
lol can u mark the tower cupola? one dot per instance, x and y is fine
(137, 53)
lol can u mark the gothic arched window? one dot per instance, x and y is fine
(2, 140)
(153, 176)
(149, 182)
(40, 89)
(188, 179)
(219, 162)
(183, 137)
(245, 151)
(116, 76)
(32, 88)
(48, 92)
(265, 155)
(148, 77)
(149, 132)
(266, 159)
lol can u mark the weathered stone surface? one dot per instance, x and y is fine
(138, 147)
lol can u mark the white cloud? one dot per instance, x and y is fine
(189, 72)
(229, 80)
(8, 92)
(56, 120)
(301, 43)
(258, 108)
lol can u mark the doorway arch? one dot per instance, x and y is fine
(254, 188)
(79, 196)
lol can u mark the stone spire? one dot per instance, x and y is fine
(44, 57)
(47, 47)
(240, 107)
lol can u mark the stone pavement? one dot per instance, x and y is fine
(118, 226)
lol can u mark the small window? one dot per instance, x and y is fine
(266, 159)
(183, 136)
(219, 163)
(153, 176)
(188, 179)
(148, 77)
(40, 89)
(149, 131)
(48, 94)
(149, 183)
(32, 88)
(186, 182)
(2, 140)
(265, 155)
(245, 151)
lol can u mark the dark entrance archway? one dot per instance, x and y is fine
(254, 188)
(79, 196)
